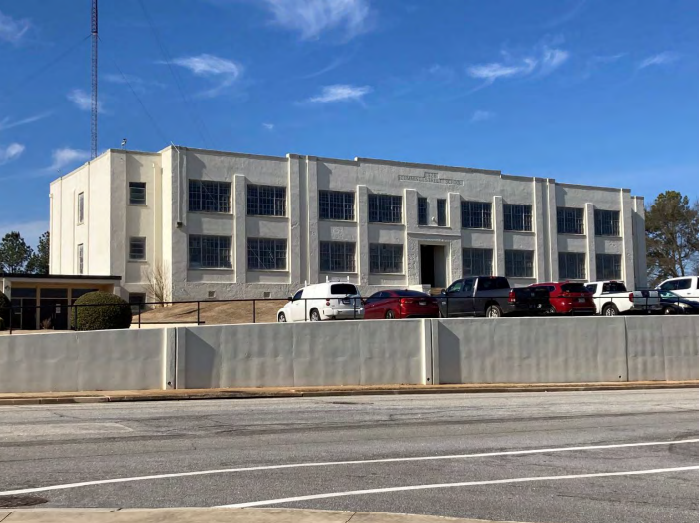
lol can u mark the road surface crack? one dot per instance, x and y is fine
(348, 521)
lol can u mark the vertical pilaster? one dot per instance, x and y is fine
(589, 215)
(294, 216)
(552, 233)
(627, 241)
(499, 255)
(239, 234)
(539, 216)
(312, 245)
(641, 280)
(362, 235)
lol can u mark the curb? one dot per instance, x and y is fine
(19, 399)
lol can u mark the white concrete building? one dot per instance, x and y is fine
(226, 225)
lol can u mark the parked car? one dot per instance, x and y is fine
(687, 287)
(491, 296)
(612, 298)
(568, 298)
(672, 303)
(323, 301)
(401, 304)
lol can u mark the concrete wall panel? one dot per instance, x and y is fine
(530, 350)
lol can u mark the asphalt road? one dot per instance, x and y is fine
(42, 446)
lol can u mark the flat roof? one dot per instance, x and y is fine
(85, 277)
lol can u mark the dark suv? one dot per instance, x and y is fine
(491, 296)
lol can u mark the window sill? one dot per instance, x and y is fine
(401, 224)
(268, 270)
(336, 220)
(611, 236)
(520, 232)
(274, 216)
(137, 204)
(223, 269)
(349, 273)
(218, 213)
(81, 223)
(388, 273)
(138, 261)
(574, 234)
(477, 229)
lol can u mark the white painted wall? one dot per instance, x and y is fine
(367, 352)
(167, 224)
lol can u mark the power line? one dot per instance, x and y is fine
(138, 99)
(45, 67)
(199, 122)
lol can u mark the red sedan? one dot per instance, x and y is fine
(569, 298)
(401, 304)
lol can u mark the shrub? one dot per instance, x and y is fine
(4, 311)
(116, 313)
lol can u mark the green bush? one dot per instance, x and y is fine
(115, 314)
(4, 311)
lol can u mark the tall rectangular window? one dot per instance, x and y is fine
(337, 256)
(422, 211)
(207, 196)
(267, 254)
(137, 193)
(81, 259)
(385, 258)
(336, 205)
(569, 220)
(476, 215)
(81, 208)
(608, 266)
(442, 212)
(477, 262)
(572, 266)
(267, 200)
(519, 264)
(517, 217)
(384, 208)
(607, 223)
(137, 249)
(210, 251)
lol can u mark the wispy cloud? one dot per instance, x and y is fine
(568, 15)
(658, 59)
(541, 62)
(268, 126)
(11, 152)
(441, 72)
(13, 30)
(225, 72)
(7, 123)
(311, 18)
(66, 156)
(340, 93)
(83, 100)
(480, 115)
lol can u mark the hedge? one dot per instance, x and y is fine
(116, 313)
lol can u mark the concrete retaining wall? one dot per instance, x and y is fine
(506, 350)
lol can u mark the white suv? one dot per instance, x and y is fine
(687, 287)
(323, 301)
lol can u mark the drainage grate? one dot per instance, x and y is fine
(21, 501)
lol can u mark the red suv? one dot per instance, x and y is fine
(569, 298)
(401, 304)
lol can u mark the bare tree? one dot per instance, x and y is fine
(158, 283)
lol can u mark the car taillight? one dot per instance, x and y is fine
(328, 303)
(511, 296)
(632, 297)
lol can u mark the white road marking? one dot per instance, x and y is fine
(450, 485)
(335, 463)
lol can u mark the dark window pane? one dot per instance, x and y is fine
(519, 264)
(442, 212)
(607, 223)
(208, 196)
(572, 265)
(517, 217)
(335, 205)
(608, 266)
(137, 193)
(569, 220)
(267, 254)
(476, 215)
(422, 211)
(266, 200)
(477, 262)
(385, 258)
(384, 208)
(343, 288)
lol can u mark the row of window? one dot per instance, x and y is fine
(264, 200)
(271, 254)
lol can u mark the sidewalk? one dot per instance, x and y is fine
(40, 398)
(216, 516)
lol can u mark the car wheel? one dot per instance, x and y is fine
(669, 310)
(281, 318)
(549, 311)
(494, 311)
(610, 310)
(389, 315)
(314, 315)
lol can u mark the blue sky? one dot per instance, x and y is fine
(584, 91)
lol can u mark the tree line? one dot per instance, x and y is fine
(671, 242)
(17, 257)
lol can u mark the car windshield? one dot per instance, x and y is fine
(573, 287)
(669, 294)
(343, 289)
(614, 286)
(410, 294)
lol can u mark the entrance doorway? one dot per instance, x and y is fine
(433, 266)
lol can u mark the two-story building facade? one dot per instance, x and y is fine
(229, 225)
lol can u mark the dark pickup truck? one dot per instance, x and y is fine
(491, 296)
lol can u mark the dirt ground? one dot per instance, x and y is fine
(214, 313)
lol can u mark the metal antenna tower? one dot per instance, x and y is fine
(93, 123)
